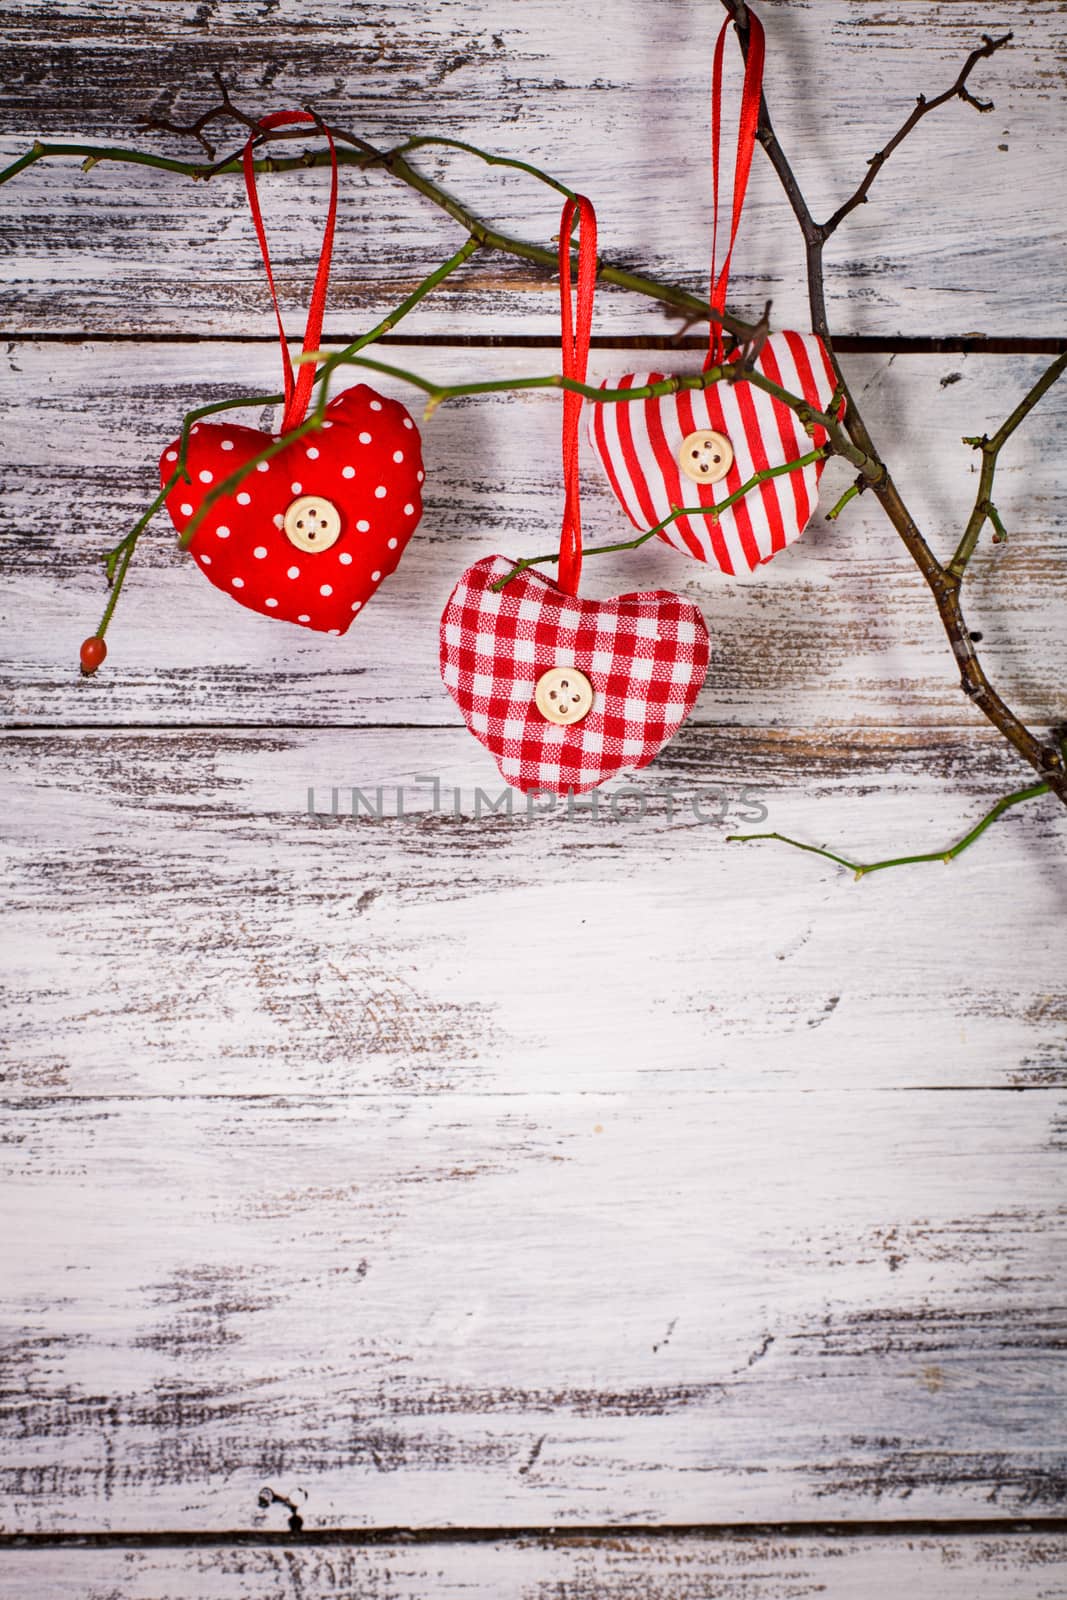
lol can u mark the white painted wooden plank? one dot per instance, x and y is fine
(532, 1309)
(964, 231)
(839, 630)
(1014, 1567)
(179, 922)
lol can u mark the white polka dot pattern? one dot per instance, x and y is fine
(376, 503)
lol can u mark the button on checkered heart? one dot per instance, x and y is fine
(645, 447)
(644, 656)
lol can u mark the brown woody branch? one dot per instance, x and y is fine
(195, 129)
(923, 107)
(943, 580)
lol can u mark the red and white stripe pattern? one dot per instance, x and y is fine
(645, 655)
(638, 442)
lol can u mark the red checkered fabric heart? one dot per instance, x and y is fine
(360, 476)
(639, 445)
(645, 656)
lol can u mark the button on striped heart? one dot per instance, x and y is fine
(638, 444)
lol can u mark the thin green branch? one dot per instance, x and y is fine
(422, 141)
(117, 560)
(860, 869)
(712, 513)
(729, 372)
(850, 493)
(364, 156)
(1000, 532)
(984, 508)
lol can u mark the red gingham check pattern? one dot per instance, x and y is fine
(638, 441)
(646, 656)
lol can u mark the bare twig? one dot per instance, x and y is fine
(195, 129)
(1046, 760)
(984, 509)
(923, 107)
(861, 869)
(850, 493)
(712, 513)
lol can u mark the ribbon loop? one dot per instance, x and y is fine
(575, 326)
(298, 389)
(748, 122)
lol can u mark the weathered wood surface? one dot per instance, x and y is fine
(623, 1567)
(964, 232)
(503, 1172)
(532, 1308)
(179, 922)
(838, 632)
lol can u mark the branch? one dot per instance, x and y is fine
(983, 504)
(943, 584)
(923, 107)
(195, 129)
(728, 372)
(363, 155)
(713, 513)
(861, 869)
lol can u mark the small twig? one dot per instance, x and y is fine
(195, 129)
(850, 493)
(365, 156)
(860, 869)
(1000, 532)
(749, 349)
(712, 513)
(984, 509)
(922, 108)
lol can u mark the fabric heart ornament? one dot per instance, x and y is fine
(311, 532)
(700, 447)
(523, 661)
(303, 531)
(728, 444)
(566, 692)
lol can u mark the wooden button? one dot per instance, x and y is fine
(564, 695)
(706, 457)
(312, 523)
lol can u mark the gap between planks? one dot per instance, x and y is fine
(845, 344)
(897, 1528)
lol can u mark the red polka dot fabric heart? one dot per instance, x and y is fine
(310, 534)
(642, 445)
(638, 663)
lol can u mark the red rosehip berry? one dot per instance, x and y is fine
(93, 652)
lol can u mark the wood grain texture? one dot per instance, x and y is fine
(964, 231)
(473, 1171)
(533, 1308)
(838, 632)
(179, 921)
(1023, 1567)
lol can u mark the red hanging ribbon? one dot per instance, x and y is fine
(575, 328)
(298, 389)
(746, 143)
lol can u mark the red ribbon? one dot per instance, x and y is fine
(746, 143)
(575, 329)
(297, 389)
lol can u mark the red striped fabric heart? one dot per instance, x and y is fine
(641, 657)
(311, 533)
(639, 444)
